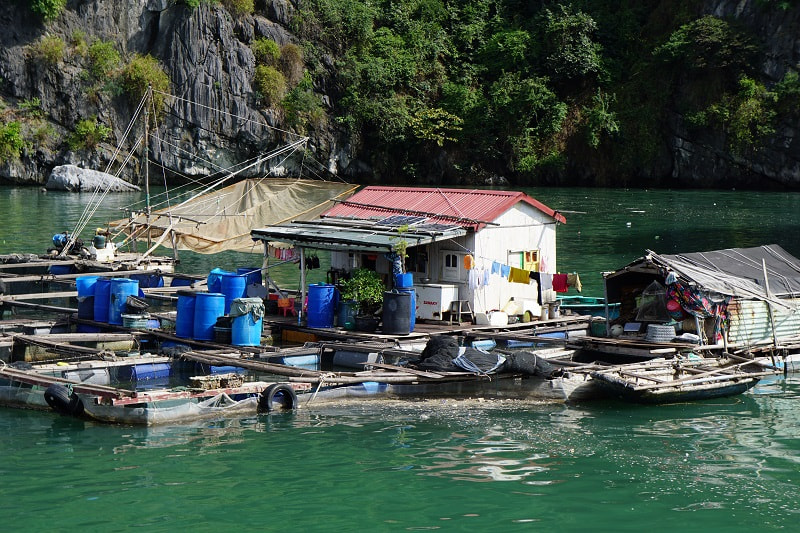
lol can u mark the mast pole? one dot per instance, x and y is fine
(147, 164)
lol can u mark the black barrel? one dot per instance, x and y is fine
(396, 313)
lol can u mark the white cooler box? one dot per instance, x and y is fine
(433, 299)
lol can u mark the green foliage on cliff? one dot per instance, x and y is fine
(104, 58)
(88, 134)
(48, 9)
(49, 49)
(266, 51)
(141, 72)
(11, 141)
(270, 84)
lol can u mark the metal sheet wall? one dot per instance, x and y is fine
(750, 322)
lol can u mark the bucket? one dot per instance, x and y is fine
(403, 281)
(232, 286)
(208, 307)
(246, 330)
(253, 274)
(396, 313)
(121, 288)
(346, 314)
(322, 300)
(412, 308)
(184, 322)
(135, 321)
(85, 285)
(99, 241)
(102, 297)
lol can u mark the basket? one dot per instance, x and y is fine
(658, 333)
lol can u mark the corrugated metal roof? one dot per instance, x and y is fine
(465, 207)
(341, 235)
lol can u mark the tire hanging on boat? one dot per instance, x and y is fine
(61, 401)
(277, 395)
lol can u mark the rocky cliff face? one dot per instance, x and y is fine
(206, 52)
(213, 123)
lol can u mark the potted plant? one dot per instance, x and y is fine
(400, 248)
(366, 288)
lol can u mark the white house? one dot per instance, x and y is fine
(447, 230)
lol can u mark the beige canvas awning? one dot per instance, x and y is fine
(222, 220)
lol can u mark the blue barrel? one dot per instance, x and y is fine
(184, 322)
(246, 330)
(57, 270)
(396, 313)
(253, 274)
(233, 286)
(214, 280)
(121, 288)
(413, 307)
(85, 285)
(102, 297)
(208, 307)
(321, 305)
(149, 371)
(147, 281)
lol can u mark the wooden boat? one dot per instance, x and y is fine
(679, 380)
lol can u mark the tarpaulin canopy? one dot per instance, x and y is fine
(221, 220)
(762, 272)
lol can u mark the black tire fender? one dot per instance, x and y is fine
(277, 395)
(60, 400)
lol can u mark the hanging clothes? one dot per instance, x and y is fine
(560, 282)
(472, 279)
(574, 280)
(469, 262)
(518, 275)
(505, 271)
(536, 277)
(495, 268)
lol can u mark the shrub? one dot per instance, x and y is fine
(239, 7)
(48, 9)
(88, 134)
(79, 43)
(270, 83)
(267, 51)
(49, 49)
(292, 63)
(104, 57)
(302, 105)
(11, 141)
(141, 72)
(31, 107)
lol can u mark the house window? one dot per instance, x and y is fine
(453, 266)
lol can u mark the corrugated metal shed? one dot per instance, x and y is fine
(466, 207)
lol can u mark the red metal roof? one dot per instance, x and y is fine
(464, 207)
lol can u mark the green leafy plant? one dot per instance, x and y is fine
(270, 84)
(48, 9)
(239, 7)
(266, 51)
(104, 57)
(88, 134)
(400, 246)
(141, 72)
(365, 287)
(49, 49)
(11, 141)
(302, 105)
(292, 64)
(32, 107)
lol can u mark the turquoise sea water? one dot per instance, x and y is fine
(728, 465)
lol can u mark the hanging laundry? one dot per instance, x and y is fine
(469, 262)
(536, 277)
(472, 279)
(486, 272)
(574, 280)
(505, 271)
(546, 281)
(518, 275)
(495, 268)
(560, 282)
